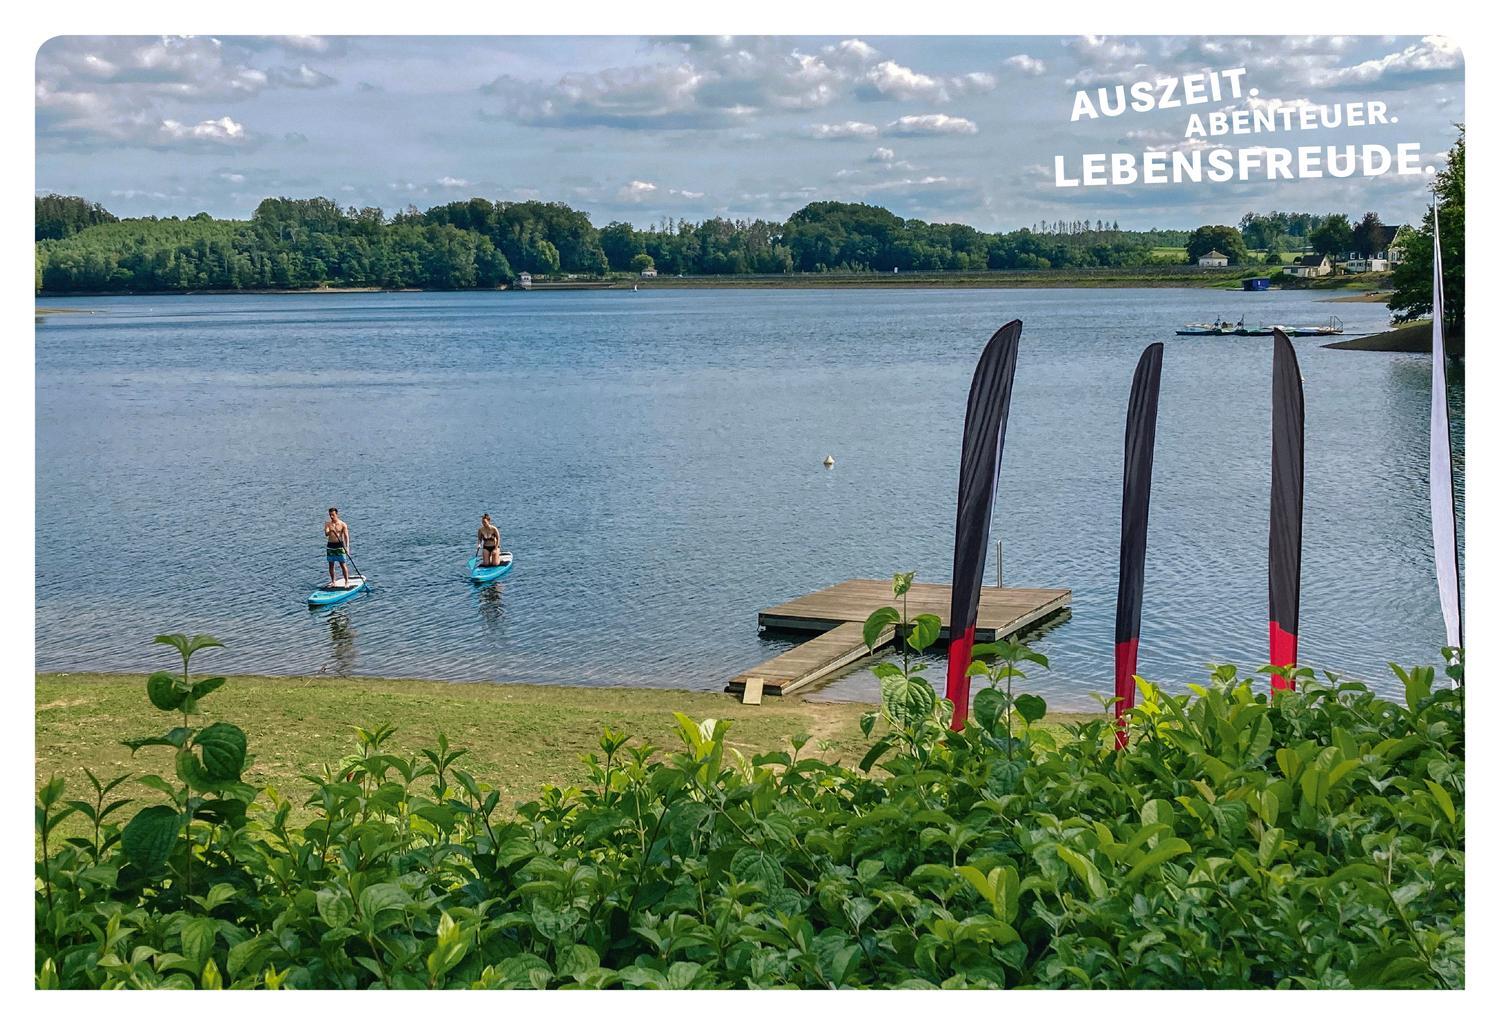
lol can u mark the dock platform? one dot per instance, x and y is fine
(837, 615)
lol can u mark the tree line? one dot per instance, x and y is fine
(476, 243)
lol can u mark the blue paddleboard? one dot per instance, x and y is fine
(488, 574)
(334, 595)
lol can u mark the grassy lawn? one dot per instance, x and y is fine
(519, 737)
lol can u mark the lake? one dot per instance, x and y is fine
(654, 459)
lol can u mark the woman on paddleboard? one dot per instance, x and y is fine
(489, 542)
(336, 533)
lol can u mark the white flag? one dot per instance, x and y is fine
(1440, 460)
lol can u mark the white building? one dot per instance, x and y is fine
(523, 280)
(1310, 267)
(1213, 258)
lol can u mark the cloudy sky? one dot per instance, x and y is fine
(950, 129)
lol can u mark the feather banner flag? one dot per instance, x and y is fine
(1286, 505)
(1140, 446)
(1440, 462)
(979, 467)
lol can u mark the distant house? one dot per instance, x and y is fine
(1213, 258)
(648, 272)
(523, 280)
(1387, 254)
(1310, 267)
(1394, 254)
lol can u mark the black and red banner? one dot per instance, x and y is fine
(1286, 505)
(1140, 447)
(979, 466)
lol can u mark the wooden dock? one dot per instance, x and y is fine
(837, 615)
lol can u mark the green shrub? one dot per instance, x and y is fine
(1313, 840)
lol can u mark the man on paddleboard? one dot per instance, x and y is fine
(489, 542)
(336, 533)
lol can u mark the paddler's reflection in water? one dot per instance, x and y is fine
(341, 640)
(491, 608)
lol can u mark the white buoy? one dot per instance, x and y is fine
(828, 461)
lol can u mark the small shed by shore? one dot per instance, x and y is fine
(1255, 284)
(1213, 258)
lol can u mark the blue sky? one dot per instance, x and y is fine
(941, 128)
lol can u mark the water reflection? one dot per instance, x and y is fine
(341, 634)
(492, 609)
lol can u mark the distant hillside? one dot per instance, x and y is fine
(476, 243)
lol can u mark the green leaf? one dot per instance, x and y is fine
(1418, 686)
(187, 645)
(989, 705)
(1444, 801)
(1165, 850)
(879, 621)
(680, 974)
(219, 893)
(247, 956)
(334, 908)
(901, 583)
(223, 746)
(205, 687)
(51, 791)
(380, 897)
(198, 936)
(164, 693)
(873, 755)
(192, 773)
(907, 699)
(751, 865)
(924, 631)
(1031, 707)
(147, 840)
(1086, 871)
(172, 738)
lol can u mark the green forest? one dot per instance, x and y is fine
(312, 243)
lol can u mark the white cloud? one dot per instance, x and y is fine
(150, 91)
(303, 77)
(897, 82)
(635, 191)
(975, 82)
(449, 182)
(718, 81)
(220, 130)
(882, 155)
(931, 124)
(1026, 64)
(312, 44)
(1434, 58)
(843, 130)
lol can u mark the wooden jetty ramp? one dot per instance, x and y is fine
(837, 615)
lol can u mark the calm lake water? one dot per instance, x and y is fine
(654, 459)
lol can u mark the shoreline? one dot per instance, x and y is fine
(1412, 338)
(1122, 277)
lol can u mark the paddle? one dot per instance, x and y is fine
(351, 563)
